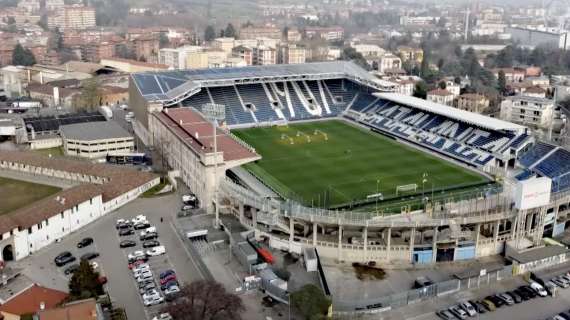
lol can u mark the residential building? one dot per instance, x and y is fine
(146, 47)
(530, 111)
(87, 309)
(535, 91)
(113, 96)
(441, 96)
(326, 33)
(369, 50)
(264, 56)
(74, 17)
(418, 21)
(453, 87)
(511, 74)
(31, 300)
(52, 95)
(95, 140)
(197, 60)
(389, 62)
(293, 35)
(411, 54)
(30, 6)
(535, 37)
(472, 102)
(260, 32)
(291, 54)
(54, 5)
(225, 44)
(245, 53)
(94, 52)
(177, 58)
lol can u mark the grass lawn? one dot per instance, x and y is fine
(55, 152)
(16, 194)
(342, 163)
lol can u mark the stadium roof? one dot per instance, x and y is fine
(90, 131)
(450, 112)
(169, 86)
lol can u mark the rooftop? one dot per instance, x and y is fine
(29, 300)
(77, 310)
(537, 254)
(89, 131)
(450, 112)
(440, 92)
(191, 127)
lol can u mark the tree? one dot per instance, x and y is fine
(505, 57)
(420, 90)
(85, 282)
(163, 40)
(205, 300)
(442, 85)
(351, 54)
(230, 31)
(502, 83)
(209, 33)
(90, 97)
(311, 302)
(22, 56)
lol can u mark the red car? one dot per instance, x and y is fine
(136, 263)
(102, 280)
(168, 278)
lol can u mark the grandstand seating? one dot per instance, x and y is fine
(546, 160)
(459, 140)
(535, 153)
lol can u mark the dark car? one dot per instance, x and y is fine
(149, 236)
(516, 297)
(168, 284)
(523, 294)
(148, 286)
(127, 244)
(64, 258)
(142, 225)
(126, 232)
(529, 291)
(166, 273)
(167, 279)
(85, 242)
(498, 302)
(71, 269)
(150, 244)
(479, 307)
(90, 256)
(123, 226)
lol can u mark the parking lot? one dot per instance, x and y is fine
(40, 267)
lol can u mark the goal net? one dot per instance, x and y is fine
(406, 188)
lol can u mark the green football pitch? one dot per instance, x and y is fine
(331, 163)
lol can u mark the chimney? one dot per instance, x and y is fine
(180, 121)
(197, 135)
(62, 200)
(165, 110)
(56, 96)
(42, 305)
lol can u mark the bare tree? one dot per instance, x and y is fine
(205, 300)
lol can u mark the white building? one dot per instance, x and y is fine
(441, 96)
(96, 190)
(264, 56)
(369, 50)
(389, 62)
(530, 111)
(177, 58)
(94, 140)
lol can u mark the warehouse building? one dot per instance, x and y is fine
(94, 140)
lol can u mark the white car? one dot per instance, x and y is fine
(140, 272)
(139, 218)
(467, 306)
(151, 294)
(153, 301)
(123, 107)
(156, 251)
(163, 316)
(148, 230)
(539, 289)
(136, 255)
(172, 289)
(458, 312)
(141, 267)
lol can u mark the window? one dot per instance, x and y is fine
(30, 230)
(62, 215)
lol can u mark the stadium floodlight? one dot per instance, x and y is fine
(215, 113)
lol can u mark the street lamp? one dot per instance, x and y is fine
(214, 113)
(377, 193)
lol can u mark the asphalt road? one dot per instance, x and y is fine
(113, 261)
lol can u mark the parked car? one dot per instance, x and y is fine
(489, 304)
(126, 232)
(150, 244)
(137, 263)
(507, 298)
(127, 244)
(156, 251)
(516, 298)
(149, 236)
(531, 293)
(480, 307)
(458, 312)
(144, 277)
(168, 278)
(163, 316)
(141, 225)
(496, 301)
(172, 290)
(85, 242)
(468, 307)
(90, 256)
(64, 258)
(523, 294)
(71, 269)
(153, 301)
(166, 273)
(148, 287)
(538, 289)
(169, 284)
(187, 207)
(136, 255)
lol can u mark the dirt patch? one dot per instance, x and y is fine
(368, 271)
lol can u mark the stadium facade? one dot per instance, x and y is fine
(533, 180)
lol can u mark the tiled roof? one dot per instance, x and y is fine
(119, 181)
(78, 310)
(440, 92)
(29, 300)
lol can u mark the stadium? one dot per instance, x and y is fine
(327, 155)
